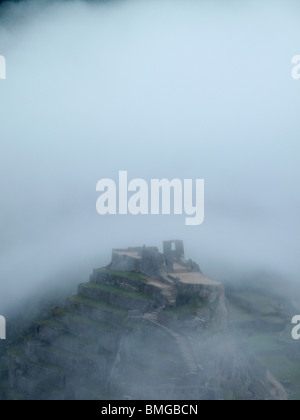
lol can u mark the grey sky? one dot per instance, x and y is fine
(160, 89)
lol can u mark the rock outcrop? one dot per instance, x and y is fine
(128, 335)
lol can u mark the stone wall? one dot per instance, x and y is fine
(128, 283)
(117, 299)
(174, 250)
(121, 262)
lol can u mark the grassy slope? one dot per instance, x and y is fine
(270, 347)
(128, 275)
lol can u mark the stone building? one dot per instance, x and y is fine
(150, 261)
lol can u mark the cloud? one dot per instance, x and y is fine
(161, 89)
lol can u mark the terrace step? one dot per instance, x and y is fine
(96, 311)
(91, 365)
(180, 340)
(116, 296)
(101, 334)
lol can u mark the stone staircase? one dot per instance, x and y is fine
(186, 353)
(153, 316)
(170, 293)
(181, 341)
(77, 346)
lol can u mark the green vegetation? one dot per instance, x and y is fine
(188, 304)
(272, 353)
(257, 316)
(95, 304)
(257, 302)
(117, 290)
(125, 274)
(61, 355)
(59, 311)
(239, 315)
(15, 351)
(184, 311)
(80, 319)
(52, 323)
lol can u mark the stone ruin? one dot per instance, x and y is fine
(150, 261)
(122, 337)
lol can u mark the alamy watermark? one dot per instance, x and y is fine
(296, 68)
(2, 67)
(296, 329)
(161, 196)
(2, 328)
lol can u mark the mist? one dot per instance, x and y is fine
(162, 89)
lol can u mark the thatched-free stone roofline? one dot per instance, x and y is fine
(151, 262)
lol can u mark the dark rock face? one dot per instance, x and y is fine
(122, 336)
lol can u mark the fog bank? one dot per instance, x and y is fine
(160, 89)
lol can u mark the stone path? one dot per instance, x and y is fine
(278, 392)
(167, 289)
(180, 340)
(170, 293)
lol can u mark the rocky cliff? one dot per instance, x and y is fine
(125, 335)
